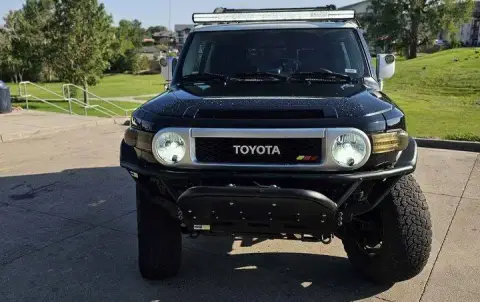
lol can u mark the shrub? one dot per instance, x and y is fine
(162, 47)
(140, 63)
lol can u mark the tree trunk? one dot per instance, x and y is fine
(412, 53)
(413, 41)
(85, 93)
(50, 74)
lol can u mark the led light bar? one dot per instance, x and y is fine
(273, 16)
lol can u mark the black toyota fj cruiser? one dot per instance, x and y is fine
(275, 125)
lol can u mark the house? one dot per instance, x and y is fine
(181, 32)
(148, 41)
(162, 37)
(360, 8)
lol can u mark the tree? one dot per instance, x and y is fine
(126, 45)
(25, 44)
(132, 31)
(81, 34)
(34, 42)
(153, 29)
(13, 60)
(457, 13)
(5, 54)
(411, 23)
(140, 63)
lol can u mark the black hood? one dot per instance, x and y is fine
(340, 106)
(340, 101)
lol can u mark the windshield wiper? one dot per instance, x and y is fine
(324, 75)
(258, 76)
(204, 76)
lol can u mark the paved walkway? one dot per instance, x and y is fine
(25, 123)
(67, 233)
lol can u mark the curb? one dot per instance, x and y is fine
(448, 144)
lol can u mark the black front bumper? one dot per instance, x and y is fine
(229, 202)
(250, 210)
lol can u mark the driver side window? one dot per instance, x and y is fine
(198, 61)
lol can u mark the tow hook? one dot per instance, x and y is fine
(326, 240)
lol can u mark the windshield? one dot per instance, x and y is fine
(283, 51)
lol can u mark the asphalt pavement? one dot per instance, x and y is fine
(68, 233)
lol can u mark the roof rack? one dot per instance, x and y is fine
(226, 15)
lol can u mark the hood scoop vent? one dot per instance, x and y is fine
(264, 114)
(258, 114)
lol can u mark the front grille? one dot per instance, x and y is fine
(292, 150)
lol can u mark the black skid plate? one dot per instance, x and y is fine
(257, 210)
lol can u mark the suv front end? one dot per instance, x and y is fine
(260, 138)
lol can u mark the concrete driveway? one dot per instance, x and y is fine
(67, 233)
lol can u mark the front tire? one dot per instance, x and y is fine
(159, 240)
(403, 234)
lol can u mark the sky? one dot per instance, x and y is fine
(156, 12)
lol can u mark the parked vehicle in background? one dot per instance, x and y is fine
(439, 42)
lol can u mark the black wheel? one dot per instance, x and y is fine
(159, 240)
(393, 242)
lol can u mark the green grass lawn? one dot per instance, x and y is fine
(38, 105)
(111, 86)
(441, 97)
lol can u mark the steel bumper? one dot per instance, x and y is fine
(257, 211)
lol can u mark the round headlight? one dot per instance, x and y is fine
(349, 150)
(169, 147)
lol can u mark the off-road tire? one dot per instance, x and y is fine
(407, 236)
(159, 240)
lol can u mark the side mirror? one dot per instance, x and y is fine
(169, 72)
(385, 66)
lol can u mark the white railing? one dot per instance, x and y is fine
(67, 96)
(23, 93)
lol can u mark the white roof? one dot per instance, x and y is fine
(274, 25)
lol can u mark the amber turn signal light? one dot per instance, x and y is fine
(389, 142)
(139, 139)
(130, 137)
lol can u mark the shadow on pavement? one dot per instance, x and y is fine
(70, 235)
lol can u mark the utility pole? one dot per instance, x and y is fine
(170, 44)
(170, 15)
